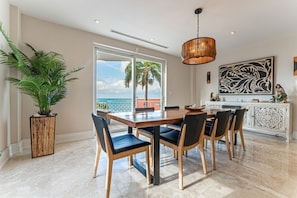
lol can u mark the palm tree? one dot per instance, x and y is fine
(146, 73)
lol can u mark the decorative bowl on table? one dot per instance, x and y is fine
(194, 108)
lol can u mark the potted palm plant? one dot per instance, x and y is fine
(44, 78)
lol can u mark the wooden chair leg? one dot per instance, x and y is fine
(175, 154)
(203, 161)
(130, 160)
(98, 151)
(151, 150)
(202, 143)
(108, 176)
(137, 133)
(148, 168)
(228, 146)
(232, 143)
(180, 169)
(213, 153)
(242, 139)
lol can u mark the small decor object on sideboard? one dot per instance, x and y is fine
(255, 100)
(214, 98)
(272, 99)
(281, 95)
(211, 97)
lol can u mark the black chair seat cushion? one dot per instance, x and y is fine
(171, 136)
(127, 142)
(150, 130)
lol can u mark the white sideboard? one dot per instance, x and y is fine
(268, 118)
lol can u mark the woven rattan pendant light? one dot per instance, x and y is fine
(199, 50)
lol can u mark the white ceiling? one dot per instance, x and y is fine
(172, 22)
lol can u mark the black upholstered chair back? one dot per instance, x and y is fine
(194, 126)
(100, 124)
(144, 109)
(171, 108)
(223, 121)
(239, 113)
(231, 107)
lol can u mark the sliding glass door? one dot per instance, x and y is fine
(125, 80)
(111, 93)
(148, 83)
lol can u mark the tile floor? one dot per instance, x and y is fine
(268, 168)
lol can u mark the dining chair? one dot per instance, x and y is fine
(236, 127)
(176, 126)
(171, 108)
(190, 136)
(149, 131)
(117, 147)
(144, 109)
(217, 129)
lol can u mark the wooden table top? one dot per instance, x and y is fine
(154, 118)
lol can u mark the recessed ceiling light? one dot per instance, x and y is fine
(97, 21)
(232, 33)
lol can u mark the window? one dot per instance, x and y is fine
(125, 80)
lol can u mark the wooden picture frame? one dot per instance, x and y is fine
(295, 66)
(247, 77)
(208, 77)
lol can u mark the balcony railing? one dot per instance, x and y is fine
(124, 105)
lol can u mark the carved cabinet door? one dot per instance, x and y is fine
(272, 118)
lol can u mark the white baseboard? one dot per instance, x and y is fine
(4, 157)
(70, 137)
(24, 146)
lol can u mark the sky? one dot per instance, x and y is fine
(110, 77)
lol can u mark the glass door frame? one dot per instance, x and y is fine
(133, 56)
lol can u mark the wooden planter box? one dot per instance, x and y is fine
(42, 135)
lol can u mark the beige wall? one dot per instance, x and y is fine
(4, 88)
(283, 48)
(77, 48)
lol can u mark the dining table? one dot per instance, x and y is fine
(154, 119)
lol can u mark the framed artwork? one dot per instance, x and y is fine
(208, 77)
(295, 66)
(247, 77)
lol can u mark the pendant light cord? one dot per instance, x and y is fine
(198, 25)
(198, 11)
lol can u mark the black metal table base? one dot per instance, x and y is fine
(139, 166)
(156, 165)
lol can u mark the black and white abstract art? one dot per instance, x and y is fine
(247, 77)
